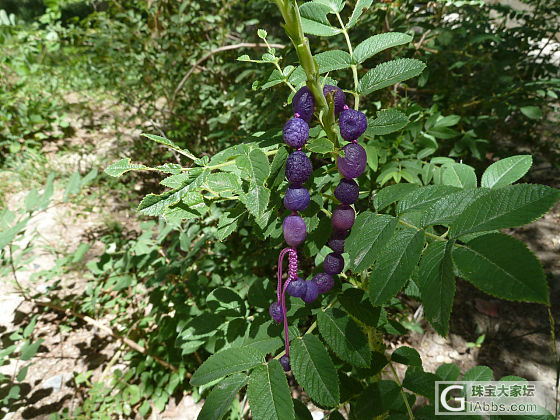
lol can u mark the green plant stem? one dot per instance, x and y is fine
(294, 29)
(354, 67)
(410, 415)
(219, 165)
(431, 235)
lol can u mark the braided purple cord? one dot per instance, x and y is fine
(292, 264)
(286, 333)
(279, 275)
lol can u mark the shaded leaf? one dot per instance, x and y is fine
(314, 370)
(269, 394)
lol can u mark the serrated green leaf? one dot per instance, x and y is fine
(261, 33)
(389, 73)
(423, 197)
(269, 394)
(335, 6)
(448, 372)
(344, 337)
(359, 9)
(387, 121)
(219, 400)
(395, 265)
(255, 165)
(333, 60)
(122, 166)
(226, 362)
(223, 182)
(506, 171)
(507, 207)
(170, 144)
(335, 415)
(478, 373)
(357, 304)
(375, 400)
(420, 382)
(314, 370)
(370, 233)
(321, 145)
(256, 199)
(459, 175)
(377, 43)
(406, 356)
(390, 194)
(157, 204)
(436, 282)
(275, 78)
(502, 266)
(301, 411)
(445, 210)
(314, 19)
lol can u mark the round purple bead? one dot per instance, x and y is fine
(296, 288)
(343, 217)
(352, 124)
(324, 282)
(353, 164)
(294, 229)
(275, 311)
(296, 199)
(347, 191)
(311, 291)
(336, 241)
(298, 168)
(285, 362)
(334, 263)
(303, 103)
(296, 132)
(339, 97)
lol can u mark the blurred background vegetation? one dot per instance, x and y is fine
(79, 82)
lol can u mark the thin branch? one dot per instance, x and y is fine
(210, 54)
(132, 344)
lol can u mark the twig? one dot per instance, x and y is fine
(210, 54)
(410, 415)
